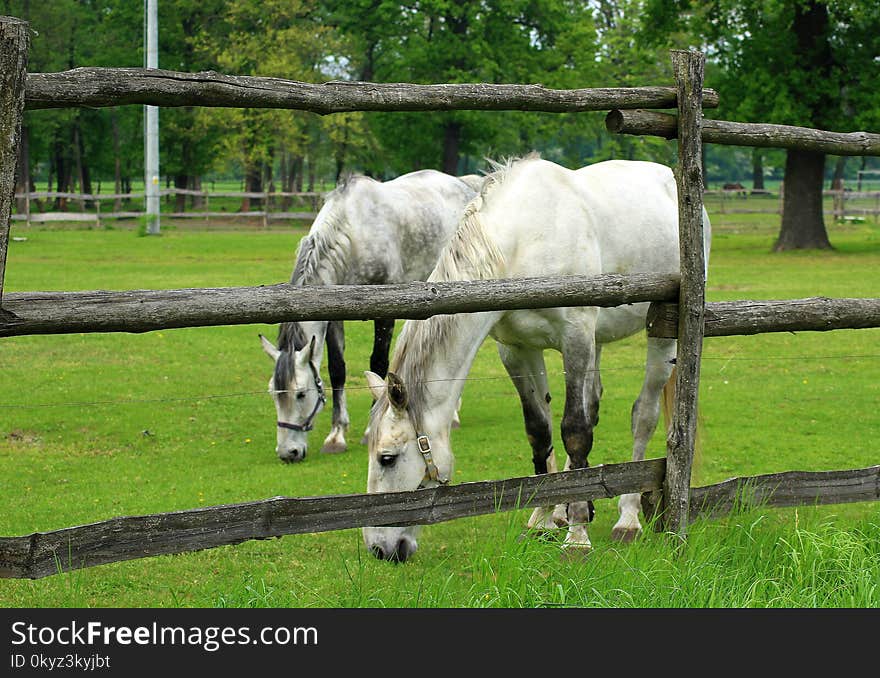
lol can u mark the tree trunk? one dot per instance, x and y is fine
(117, 160)
(23, 183)
(837, 186)
(198, 201)
(252, 184)
(180, 181)
(62, 166)
(296, 174)
(803, 224)
(757, 169)
(839, 167)
(451, 141)
(82, 168)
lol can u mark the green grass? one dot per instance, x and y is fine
(102, 425)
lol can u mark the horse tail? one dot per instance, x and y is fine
(668, 400)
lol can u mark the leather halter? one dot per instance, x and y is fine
(432, 473)
(309, 423)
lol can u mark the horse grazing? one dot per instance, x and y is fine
(533, 218)
(367, 232)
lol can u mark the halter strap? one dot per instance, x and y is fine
(431, 471)
(309, 423)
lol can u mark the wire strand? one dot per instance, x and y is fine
(242, 394)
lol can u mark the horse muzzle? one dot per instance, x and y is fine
(394, 550)
(291, 455)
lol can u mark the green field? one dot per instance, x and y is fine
(100, 425)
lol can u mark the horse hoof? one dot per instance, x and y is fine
(334, 448)
(625, 535)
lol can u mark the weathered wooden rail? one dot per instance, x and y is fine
(727, 318)
(129, 537)
(148, 310)
(655, 123)
(156, 87)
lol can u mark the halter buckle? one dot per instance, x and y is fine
(431, 470)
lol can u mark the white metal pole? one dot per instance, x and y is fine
(151, 122)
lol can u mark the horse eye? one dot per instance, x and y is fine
(300, 395)
(387, 459)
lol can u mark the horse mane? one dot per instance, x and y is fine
(325, 247)
(471, 254)
(328, 243)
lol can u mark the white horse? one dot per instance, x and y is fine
(533, 218)
(367, 232)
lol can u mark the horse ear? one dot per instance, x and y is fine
(269, 348)
(396, 392)
(376, 384)
(306, 354)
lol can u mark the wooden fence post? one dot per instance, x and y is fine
(13, 74)
(688, 69)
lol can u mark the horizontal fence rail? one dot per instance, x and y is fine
(665, 125)
(791, 488)
(148, 310)
(126, 538)
(727, 318)
(61, 217)
(118, 86)
(131, 537)
(99, 197)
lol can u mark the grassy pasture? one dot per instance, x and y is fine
(95, 426)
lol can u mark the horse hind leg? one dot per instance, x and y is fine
(335, 442)
(645, 414)
(527, 372)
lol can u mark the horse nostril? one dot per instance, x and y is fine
(404, 551)
(290, 456)
(378, 552)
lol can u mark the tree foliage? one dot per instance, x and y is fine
(810, 63)
(805, 62)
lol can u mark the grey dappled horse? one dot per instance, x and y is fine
(367, 232)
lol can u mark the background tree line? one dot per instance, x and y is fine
(804, 62)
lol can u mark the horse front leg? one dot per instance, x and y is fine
(528, 374)
(645, 414)
(579, 362)
(335, 440)
(383, 331)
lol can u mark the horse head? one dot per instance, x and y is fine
(403, 456)
(298, 394)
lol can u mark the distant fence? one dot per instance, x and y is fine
(309, 200)
(664, 483)
(844, 205)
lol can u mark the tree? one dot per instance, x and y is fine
(797, 62)
(455, 41)
(280, 38)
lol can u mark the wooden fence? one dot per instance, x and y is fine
(679, 309)
(310, 200)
